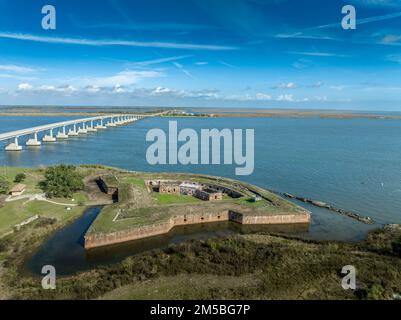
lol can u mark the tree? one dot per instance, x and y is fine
(62, 181)
(4, 185)
(20, 177)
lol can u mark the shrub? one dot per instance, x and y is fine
(375, 292)
(20, 177)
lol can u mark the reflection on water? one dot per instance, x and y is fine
(183, 233)
(65, 251)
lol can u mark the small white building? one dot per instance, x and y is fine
(18, 189)
(256, 198)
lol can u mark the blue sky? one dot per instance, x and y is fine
(202, 53)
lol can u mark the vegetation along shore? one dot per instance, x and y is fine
(263, 265)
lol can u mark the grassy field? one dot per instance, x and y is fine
(15, 212)
(183, 287)
(135, 182)
(175, 198)
(33, 177)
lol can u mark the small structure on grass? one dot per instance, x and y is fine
(256, 198)
(169, 187)
(189, 188)
(18, 189)
(208, 194)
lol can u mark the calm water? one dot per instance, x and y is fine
(353, 164)
(65, 251)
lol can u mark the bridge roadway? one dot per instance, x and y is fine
(66, 129)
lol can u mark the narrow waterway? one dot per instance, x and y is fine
(65, 249)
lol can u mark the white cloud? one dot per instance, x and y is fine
(338, 88)
(129, 93)
(285, 97)
(284, 85)
(317, 84)
(317, 54)
(181, 67)
(158, 61)
(127, 43)
(25, 86)
(92, 89)
(161, 90)
(124, 78)
(64, 89)
(379, 3)
(47, 88)
(16, 77)
(119, 89)
(263, 96)
(391, 38)
(15, 68)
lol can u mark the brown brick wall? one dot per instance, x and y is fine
(98, 240)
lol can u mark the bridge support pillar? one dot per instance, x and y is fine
(34, 142)
(90, 128)
(14, 146)
(100, 125)
(49, 137)
(61, 134)
(83, 129)
(73, 131)
(111, 123)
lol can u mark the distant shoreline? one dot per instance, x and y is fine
(242, 113)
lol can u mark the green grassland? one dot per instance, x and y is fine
(134, 181)
(174, 198)
(15, 212)
(183, 287)
(33, 176)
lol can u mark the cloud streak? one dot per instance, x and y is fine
(126, 43)
(15, 68)
(159, 61)
(317, 54)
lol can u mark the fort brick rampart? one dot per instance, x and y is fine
(94, 240)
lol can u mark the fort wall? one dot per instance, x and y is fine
(136, 233)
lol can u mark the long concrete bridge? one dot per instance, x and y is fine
(65, 129)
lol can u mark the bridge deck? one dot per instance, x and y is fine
(27, 131)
